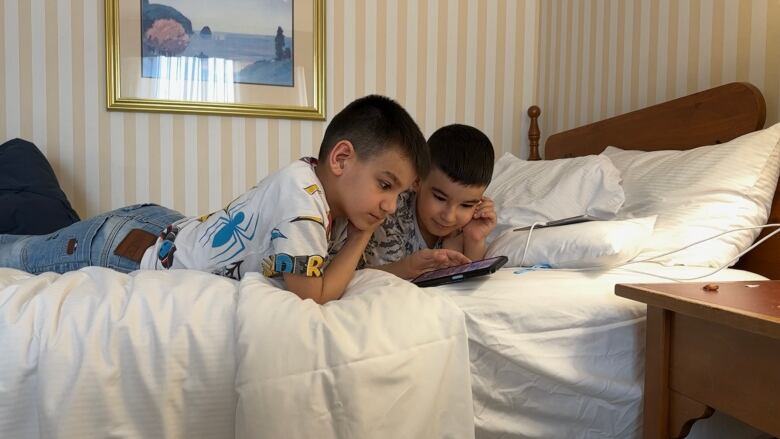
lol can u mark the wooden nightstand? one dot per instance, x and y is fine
(710, 350)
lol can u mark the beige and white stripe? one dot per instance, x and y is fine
(446, 61)
(481, 62)
(634, 53)
(11, 93)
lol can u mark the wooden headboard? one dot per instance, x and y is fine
(713, 116)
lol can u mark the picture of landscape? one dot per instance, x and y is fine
(250, 40)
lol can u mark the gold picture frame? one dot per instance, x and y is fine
(148, 70)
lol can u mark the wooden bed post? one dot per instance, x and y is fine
(533, 133)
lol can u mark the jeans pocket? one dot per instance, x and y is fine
(152, 219)
(65, 250)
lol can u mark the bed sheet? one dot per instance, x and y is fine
(184, 354)
(555, 354)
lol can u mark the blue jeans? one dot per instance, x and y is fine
(90, 242)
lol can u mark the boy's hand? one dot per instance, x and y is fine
(355, 233)
(335, 279)
(428, 259)
(482, 223)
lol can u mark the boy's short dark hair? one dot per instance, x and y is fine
(463, 153)
(374, 123)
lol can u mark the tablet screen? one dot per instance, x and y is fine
(445, 272)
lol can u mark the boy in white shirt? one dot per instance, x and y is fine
(371, 152)
(447, 211)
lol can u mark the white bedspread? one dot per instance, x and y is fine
(555, 354)
(182, 354)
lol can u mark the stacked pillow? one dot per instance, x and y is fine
(659, 201)
(583, 245)
(526, 192)
(529, 191)
(699, 193)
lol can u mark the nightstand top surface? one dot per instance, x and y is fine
(755, 303)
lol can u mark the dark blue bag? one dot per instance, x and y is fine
(31, 200)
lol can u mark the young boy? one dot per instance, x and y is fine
(448, 210)
(371, 152)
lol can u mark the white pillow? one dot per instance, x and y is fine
(701, 192)
(528, 191)
(591, 244)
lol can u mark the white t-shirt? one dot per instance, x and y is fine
(398, 237)
(279, 226)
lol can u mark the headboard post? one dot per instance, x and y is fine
(533, 133)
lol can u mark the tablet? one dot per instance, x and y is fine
(562, 222)
(459, 272)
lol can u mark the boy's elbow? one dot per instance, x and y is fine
(321, 300)
(308, 288)
(321, 297)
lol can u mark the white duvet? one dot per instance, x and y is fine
(182, 354)
(96, 353)
(556, 354)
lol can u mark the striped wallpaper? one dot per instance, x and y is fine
(469, 61)
(481, 62)
(599, 58)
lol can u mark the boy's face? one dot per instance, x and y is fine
(370, 187)
(444, 206)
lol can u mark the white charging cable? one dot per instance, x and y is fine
(528, 240)
(651, 259)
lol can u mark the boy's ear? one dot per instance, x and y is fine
(341, 154)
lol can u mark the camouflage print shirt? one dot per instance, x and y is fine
(399, 236)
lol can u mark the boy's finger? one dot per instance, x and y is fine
(439, 257)
(459, 257)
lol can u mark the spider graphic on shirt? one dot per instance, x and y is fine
(228, 231)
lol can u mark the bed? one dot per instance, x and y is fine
(555, 353)
(710, 117)
(183, 354)
(525, 353)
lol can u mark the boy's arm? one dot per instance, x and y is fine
(480, 226)
(334, 280)
(475, 250)
(424, 260)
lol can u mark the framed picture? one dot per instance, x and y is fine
(227, 57)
